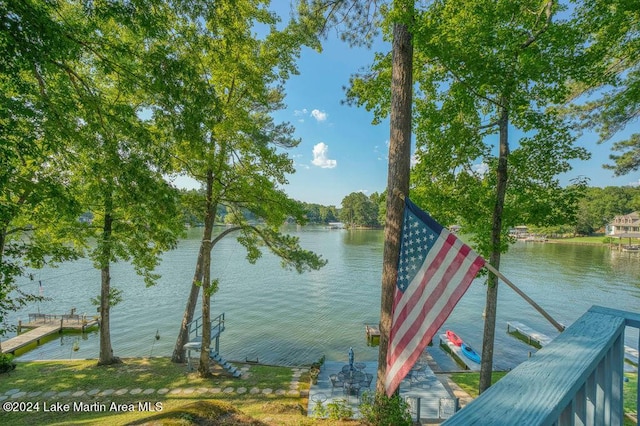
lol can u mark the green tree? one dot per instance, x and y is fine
(38, 213)
(120, 158)
(76, 73)
(612, 87)
(483, 68)
(359, 210)
(220, 84)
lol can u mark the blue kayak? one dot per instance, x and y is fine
(470, 353)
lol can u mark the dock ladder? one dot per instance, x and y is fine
(217, 327)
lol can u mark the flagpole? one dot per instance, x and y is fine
(544, 313)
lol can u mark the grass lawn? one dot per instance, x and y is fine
(596, 239)
(154, 373)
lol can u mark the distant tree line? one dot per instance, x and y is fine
(595, 209)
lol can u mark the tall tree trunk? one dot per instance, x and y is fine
(192, 301)
(397, 179)
(3, 276)
(106, 351)
(486, 367)
(207, 245)
(204, 366)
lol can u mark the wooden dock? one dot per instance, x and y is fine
(527, 334)
(43, 325)
(373, 334)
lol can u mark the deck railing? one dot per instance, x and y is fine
(576, 380)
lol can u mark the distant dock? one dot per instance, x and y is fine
(41, 326)
(527, 334)
(373, 334)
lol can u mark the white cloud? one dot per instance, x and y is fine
(320, 159)
(320, 116)
(364, 191)
(299, 112)
(480, 169)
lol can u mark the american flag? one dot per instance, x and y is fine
(434, 270)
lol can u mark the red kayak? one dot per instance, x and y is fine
(453, 338)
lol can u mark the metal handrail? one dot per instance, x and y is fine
(217, 324)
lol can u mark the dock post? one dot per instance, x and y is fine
(19, 326)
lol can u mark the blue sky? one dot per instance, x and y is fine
(342, 152)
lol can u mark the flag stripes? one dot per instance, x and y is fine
(434, 270)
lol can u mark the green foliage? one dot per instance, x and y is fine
(380, 410)
(319, 410)
(599, 206)
(360, 210)
(611, 39)
(115, 297)
(6, 363)
(338, 409)
(357, 21)
(473, 61)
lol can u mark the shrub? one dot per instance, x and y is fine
(6, 363)
(380, 410)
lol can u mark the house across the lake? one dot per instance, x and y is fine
(625, 224)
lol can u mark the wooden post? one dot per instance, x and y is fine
(544, 313)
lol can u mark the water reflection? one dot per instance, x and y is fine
(283, 317)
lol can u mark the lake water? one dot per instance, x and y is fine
(281, 317)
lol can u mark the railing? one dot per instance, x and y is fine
(576, 379)
(195, 326)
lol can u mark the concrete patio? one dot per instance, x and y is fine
(435, 400)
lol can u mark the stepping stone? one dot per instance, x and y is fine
(175, 391)
(267, 391)
(121, 391)
(162, 391)
(12, 391)
(78, 393)
(188, 391)
(135, 391)
(215, 390)
(18, 395)
(202, 390)
(93, 392)
(240, 391)
(293, 393)
(107, 392)
(148, 391)
(48, 394)
(280, 392)
(64, 393)
(3, 397)
(32, 394)
(228, 390)
(254, 391)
